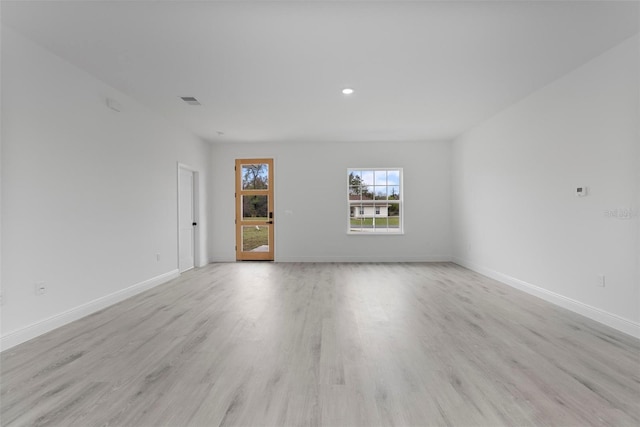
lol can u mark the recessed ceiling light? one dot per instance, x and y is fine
(347, 91)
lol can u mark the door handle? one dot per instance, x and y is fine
(194, 224)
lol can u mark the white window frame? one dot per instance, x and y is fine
(383, 231)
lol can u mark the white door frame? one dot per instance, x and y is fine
(196, 205)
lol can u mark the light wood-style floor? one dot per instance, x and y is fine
(252, 344)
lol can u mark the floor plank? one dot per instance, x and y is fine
(250, 344)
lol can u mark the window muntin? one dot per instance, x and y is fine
(374, 200)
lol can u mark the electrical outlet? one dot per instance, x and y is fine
(600, 281)
(157, 257)
(40, 288)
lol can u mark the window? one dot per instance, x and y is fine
(374, 201)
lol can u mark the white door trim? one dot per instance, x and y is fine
(196, 205)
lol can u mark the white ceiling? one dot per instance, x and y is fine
(273, 70)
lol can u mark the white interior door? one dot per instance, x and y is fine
(186, 220)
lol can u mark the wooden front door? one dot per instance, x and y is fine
(254, 209)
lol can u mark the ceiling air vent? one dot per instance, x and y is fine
(190, 100)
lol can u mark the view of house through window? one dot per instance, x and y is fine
(375, 200)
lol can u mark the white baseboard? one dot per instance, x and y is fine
(364, 259)
(616, 322)
(231, 257)
(333, 258)
(43, 326)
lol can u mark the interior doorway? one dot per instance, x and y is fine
(254, 209)
(187, 217)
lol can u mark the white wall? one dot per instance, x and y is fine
(311, 184)
(515, 213)
(89, 194)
